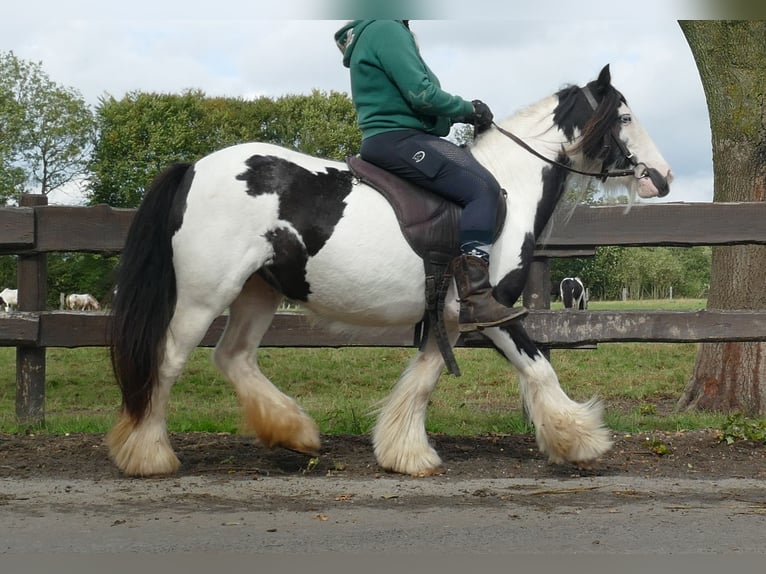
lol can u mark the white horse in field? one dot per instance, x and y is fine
(249, 225)
(82, 302)
(9, 299)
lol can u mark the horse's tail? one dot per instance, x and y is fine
(145, 291)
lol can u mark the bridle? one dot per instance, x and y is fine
(639, 169)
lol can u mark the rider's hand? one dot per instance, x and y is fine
(482, 116)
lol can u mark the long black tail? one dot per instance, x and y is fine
(145, 295)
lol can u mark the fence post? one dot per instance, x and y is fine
(537, 291)
(32, 278)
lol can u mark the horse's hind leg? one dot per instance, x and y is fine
(567, 431)
(399, 437)
(142, 447)
(275, 418)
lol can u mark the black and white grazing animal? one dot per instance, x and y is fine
(249, 225)
(572, 293)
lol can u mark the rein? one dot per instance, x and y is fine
(638, 171)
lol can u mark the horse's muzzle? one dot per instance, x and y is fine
(660, 182)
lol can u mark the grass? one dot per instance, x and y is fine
(638, 382)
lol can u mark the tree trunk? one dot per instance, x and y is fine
(731, 377)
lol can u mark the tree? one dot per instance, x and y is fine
(321, 124)
(47, 130)
(731, 377)
(142, 133)
(11, 116)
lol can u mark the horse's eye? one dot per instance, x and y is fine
(625, 119)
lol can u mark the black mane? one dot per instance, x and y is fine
(573, 112)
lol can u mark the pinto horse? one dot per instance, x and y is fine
(572, 293)
(251, 224)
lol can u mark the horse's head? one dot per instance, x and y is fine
(611, 136)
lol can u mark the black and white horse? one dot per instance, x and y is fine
(572, 293)
(248, 225)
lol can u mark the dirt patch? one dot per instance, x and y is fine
(686, 454)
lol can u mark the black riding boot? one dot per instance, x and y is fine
(478, 307)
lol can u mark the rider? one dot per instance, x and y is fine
(403, 114)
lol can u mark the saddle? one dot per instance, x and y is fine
(430, 224)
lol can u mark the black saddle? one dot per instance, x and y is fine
(430, 224)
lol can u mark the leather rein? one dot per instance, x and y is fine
(639, 169)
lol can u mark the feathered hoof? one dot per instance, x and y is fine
(420, 462)
(576, 437)
(287, 427)
(140, 451)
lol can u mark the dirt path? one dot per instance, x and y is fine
(698, 454)
(497, 495)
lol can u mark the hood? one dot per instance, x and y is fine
(346, 37)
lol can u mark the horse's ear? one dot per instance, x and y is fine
(604, 80)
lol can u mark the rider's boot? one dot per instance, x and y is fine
(478, 307)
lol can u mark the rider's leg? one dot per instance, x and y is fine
(452, 172)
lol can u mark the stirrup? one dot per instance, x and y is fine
(518, 313)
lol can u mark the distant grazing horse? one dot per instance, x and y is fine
(573, 293)
(9, 298)
(249, 225)
(82, 302)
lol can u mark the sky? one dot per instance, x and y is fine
(509, 61)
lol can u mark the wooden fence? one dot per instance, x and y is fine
(35, 229)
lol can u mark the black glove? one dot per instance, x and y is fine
(482, 116)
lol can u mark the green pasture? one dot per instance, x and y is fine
(638, 382)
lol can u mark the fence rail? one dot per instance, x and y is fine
(35, 229)
(554, 329)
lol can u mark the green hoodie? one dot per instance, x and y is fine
(392, 88)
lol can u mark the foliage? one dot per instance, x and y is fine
(658, 447)
(319, 124)
(8, 266)
(80, 273)
(738, 427)
(47, 130)
(647, 272)
(138, 136)
(68, 273)
(144, 132)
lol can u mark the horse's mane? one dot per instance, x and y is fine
(592, 136)
(600, 122)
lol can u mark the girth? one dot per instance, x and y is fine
(431, 226)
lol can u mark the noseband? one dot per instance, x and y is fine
(639, 169)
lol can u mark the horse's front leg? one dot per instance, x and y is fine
(567, 431)
(399, 437)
